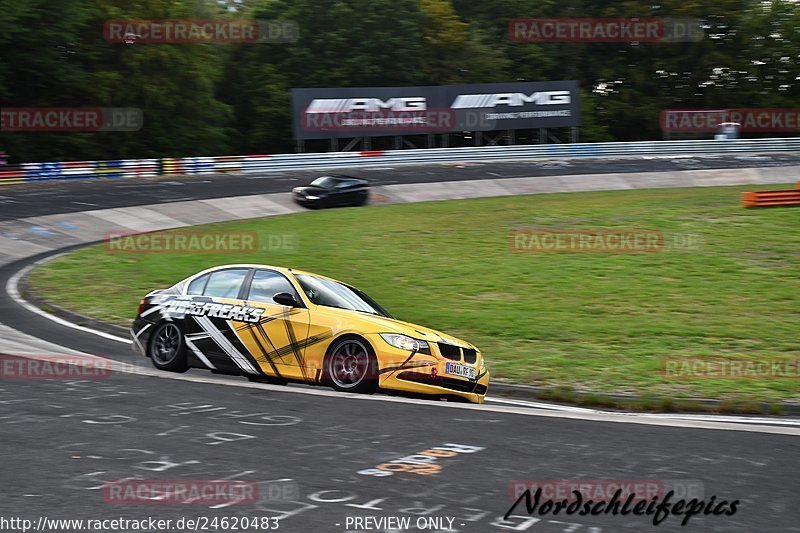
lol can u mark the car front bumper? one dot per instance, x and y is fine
(427, 374)
(472, 391)
(302, 200)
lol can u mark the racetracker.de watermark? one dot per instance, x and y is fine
(604, 489)
(616, 241)
(201, 31)
(54, 367)
(198, 241)
(750, 120)
(407, 122)
(605, 30)
(730, 368)
(65, 119)
(176, 492)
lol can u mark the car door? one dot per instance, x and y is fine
(354, 191)
(277, 342)
(210, 326)
(343, 193)
(357, 192)
(361, 192)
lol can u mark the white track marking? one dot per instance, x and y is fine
(515, 406)
(541, 405)
(723, 418)
(600, 416)
(670, 416)
(12, 289)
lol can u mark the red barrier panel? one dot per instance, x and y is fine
(785, 198)
(11, 174)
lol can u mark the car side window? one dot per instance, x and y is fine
(197, 286)
(268, 283)
(225, 283)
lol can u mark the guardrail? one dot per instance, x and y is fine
(319, 161)
(124, 168)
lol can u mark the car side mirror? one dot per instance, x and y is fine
(284, 298)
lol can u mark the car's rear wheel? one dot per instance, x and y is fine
(351, 365)
(167, 348)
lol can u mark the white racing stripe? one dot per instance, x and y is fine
(200, 355)
(12, 289)
(137, 335)
(225, 344)
(539, 408)
(157, 307)
(599, 416)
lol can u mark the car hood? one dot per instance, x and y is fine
(391, 325)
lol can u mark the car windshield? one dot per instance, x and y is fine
(329, 293)
(326, 182)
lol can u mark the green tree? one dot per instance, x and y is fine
(341, 43)
(55, 55)
(452, 52)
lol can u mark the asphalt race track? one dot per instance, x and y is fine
(311, 453)
(62, 439)
(28, 200)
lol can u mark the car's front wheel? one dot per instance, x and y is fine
(351, 365)
(167, 348)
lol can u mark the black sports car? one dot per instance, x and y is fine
(332, 191)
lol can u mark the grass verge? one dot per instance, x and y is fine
(599, 322)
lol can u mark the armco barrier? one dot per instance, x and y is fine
(320, 161)
(122, 168)
(517, 153)
(11, 174)
(210, 165)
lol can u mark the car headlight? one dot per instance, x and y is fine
(404, 342)
(312, 197)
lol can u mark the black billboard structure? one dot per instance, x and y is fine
(361, 113)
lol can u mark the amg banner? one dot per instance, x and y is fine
(382, 111)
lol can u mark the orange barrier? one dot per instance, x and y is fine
(787, 198)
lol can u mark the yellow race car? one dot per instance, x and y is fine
(278, 324)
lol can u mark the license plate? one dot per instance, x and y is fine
(457, 369)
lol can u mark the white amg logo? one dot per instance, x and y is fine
(372, 105)
(472, 101)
